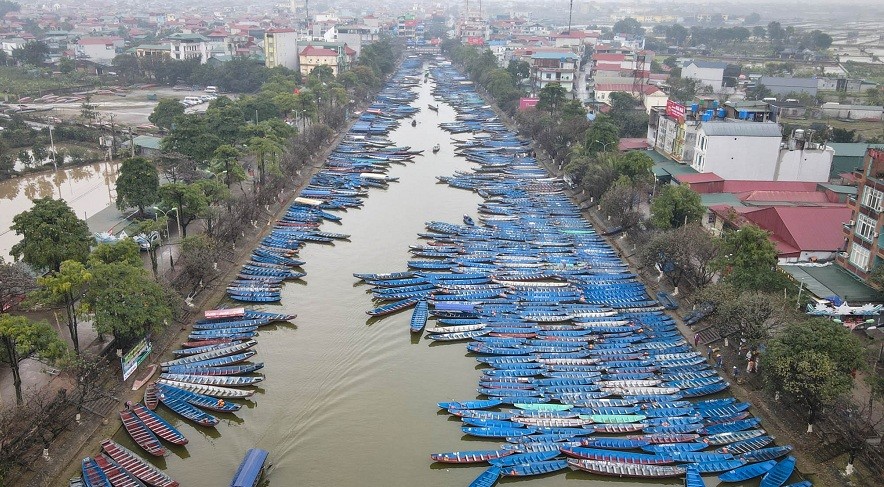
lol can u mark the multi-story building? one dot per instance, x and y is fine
(312, 57)
(709, 73)
(101, 50)
(184, 47)
(554, 66)
(281, 48)
(864, 245)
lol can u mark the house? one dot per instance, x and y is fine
(281, 48)
(751, 110)
(755, 151)
(710, 73)
(853, 112)
(188, 46)
(559, 66)
(312, 57)
(849, 157)
(864, 246)
(786, 109)
(650, 95)
(12, 43)
(780, 86)
(101, 50)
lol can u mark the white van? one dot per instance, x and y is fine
(211, 90)
(192, 100)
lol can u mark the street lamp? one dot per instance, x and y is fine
(165, 213)
(604, 145)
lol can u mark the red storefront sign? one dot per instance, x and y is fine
(675, 109)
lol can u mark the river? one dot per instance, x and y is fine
(349, 401)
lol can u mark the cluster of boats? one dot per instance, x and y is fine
(583, 369)
(207, 373)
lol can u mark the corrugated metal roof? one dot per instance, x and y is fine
(554, 55)
(781, 82)
(741, 129)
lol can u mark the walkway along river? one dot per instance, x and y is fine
(349, 401)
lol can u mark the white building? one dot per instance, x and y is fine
(281, 48)
(709, 73)
(100, 50)
(183, 47)
(554, 67)
(12, 43)
(754, 151)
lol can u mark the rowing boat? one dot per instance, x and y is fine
(133, 464)
(158, 425)
(141, 434)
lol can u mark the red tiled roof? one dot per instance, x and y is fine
(318, 51)
(608, 57)
(94, 41)
(803, 228)
(348, 51)
(702, 177)
(739, 186)
(626, 144)
(784, 196)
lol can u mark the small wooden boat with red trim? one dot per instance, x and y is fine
(141, 434)
(202, 343)
(117, 475)
(93, 475)
(145, 378)
(158, 425)
(475, 456)
(150, 396)
(135, 465)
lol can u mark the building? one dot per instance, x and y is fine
(864, 246)
(756, 151)
(781, 87)
(650, 95)
(312, 57)
(183, 47)
(101, 50)
(12, 43)
(710, 73)
(281, 48)
(852, 112)
(554, 67)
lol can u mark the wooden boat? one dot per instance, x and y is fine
(779, 474)
(117, 475)
(141, 434)
(465, 335)
(744, 446)
(435, 108)
(214, 391)
(150, 396)
(199, 400)
(617, 428)
(543, 406)
(213, 341)
(478, 404)
(614, 418)
(419, 316)
(476, 456)
(732, 437)
(226, 370)
(693, 478)
(188, 411)
(617, 456)
(145, 378)
(158, 425)
(534, 468)
(222, 352)
(614, 469)
(250, 470)
(747, 472)
(393, 307)
(718, 466)
(222, 361)
(524, 458)
(93, 475)
(614, 443)
(674, 447)
(456, 328)
(214, 380)
(764, 454)
(496, 432)
(487, 478)
(133, 464)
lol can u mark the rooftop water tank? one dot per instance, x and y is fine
(695, 107)
(722, 113)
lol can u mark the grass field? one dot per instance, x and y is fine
(18, 82)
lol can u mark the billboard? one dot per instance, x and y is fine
(131, 359)
(675, 110)
(527, 103)
(476, 41)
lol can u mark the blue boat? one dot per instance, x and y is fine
(717, 466)
(747, 472)
(250, 469)
(478, 404)
(523, 458)
(614, 443)
(779, 474)
(487, 478)
(803, 483)
(693, 478)
(495, 432)
(419, 316)
(93, 475)
(746, 445)
(534, 468)
(764, 454)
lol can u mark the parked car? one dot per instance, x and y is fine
(145, 241)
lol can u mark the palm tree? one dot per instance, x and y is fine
(264, 147)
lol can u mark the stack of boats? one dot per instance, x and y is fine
(582, 367)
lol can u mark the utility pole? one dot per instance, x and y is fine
(570, 10)
(131, 144)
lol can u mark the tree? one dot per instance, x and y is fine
(147, 227)
(551, 97)
(635, 166)
(601, 136)
(669, 253)
(188, 198)
(20, 338)
(628, 26)
(519, 70)
(684, 89)
(16, 281)
(66, 287)
(323, 74)
(819, 40)
(675, 206)
(619, 203)
(225, 162)
(200, 254)
(676, 34)
(126, 303)
(66, 65)
(265, 148)
(165, 113)
(33, 53)
(759, 92)
(759, 32)
(88, 109)
(843, 135)
(775, 31)
(812, 362)
(138, 184)
(51, 234)
(125, 251)
(192, 138)
(748, 260)
(752, 18)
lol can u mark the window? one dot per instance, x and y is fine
(865, 227)
(711, 218)
(872, 198)
(859, 256)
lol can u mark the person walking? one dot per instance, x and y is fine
(718, 361)
(750, 365)
(696, 340)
